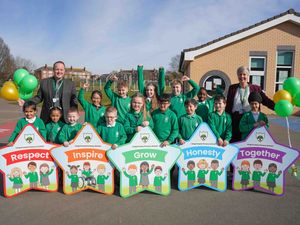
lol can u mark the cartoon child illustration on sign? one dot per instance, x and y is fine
(101, 177)
(44, 175)
(214, 173)
(73, 176)
(132, 170)
(87, 173)
(272, 176)
(244, 171)
(191, 176)
(202, 165)
(158, 179)
(15, 176)
(32, 175)
(144, 171)
(257, 174)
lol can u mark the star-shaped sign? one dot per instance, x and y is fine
(144, 165)
(261, 163)
(203, 162)
(84, 163)
(27, 164)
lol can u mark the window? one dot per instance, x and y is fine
(284, 67)
(258, 70)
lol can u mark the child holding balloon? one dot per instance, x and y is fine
(29, 110)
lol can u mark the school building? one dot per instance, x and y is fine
(270, 48)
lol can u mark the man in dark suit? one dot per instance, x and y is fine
(56, 91)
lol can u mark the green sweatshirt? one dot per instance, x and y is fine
(177, 102)
(33, 177)
(187, 125)
(165, 125)
(45, 174)
(201, 174)
(272, 177)
(132, 179)
(256, 175)
(214, 174)
(38, 124)
(93, 114)
(132, 120)
(16, 180)
(191, 175)
(53, 130)
(87, 173)
(158, 180)
(141, 86)
(112, 135)
(101, 179)
(74, 178)
(204, 108)
(68, 132)
(121, 104)
(245, 175)
(247, 122)
(221, 125)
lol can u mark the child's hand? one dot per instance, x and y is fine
(138, 128)
(145, 123)
(86, 85)
(113, 78)
(183, 169)
(279, 172)
(164, 144)
(222, 169)
(225, 143)
(181, 141)
(10, 144)
(185, 78)
(67, 173)
(24, 173)
(84, 124)
(256, 124)
(220, 142)
(166, 174)
(20, 102)
(262, 123)
(114, 146)
(109, 173)
(123, 169)
(152, 166)
(66, 144)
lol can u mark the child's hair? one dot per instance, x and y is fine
(55, 108)
(111, 109)
(190, 162)
(86, 164)
(164, 98)
(201, 89)
(73, 167)
(73, 110)
(29, 104)
(132, 166)
(177, 81)
(214, 161)
(202, 161)
(158, 168)
(272, 165)
(101, 167)
(245, 163)
(15, 169)
(44, 165)
(122, 84)
(54, 64)
(220, 98)
(31, 164)
(98, 92)
(144, 164)
(255, 97)
(191, 101)
(257, 161)
(144, 110)
(154, 99)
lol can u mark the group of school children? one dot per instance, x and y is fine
(173, 117)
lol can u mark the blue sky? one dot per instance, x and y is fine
(112, 35)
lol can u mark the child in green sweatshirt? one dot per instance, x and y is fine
(94, 112)
(178, 98)
(30, 110)
(205, 104)
(112, 132)
(120, 101)
(138, 117)
(255, 118)
(70, 130)
(54, 127)
(189, 121)
(220, 122)
(165, 122)
(151, 91)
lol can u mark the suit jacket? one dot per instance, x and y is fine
(46, 93)
(253, 88)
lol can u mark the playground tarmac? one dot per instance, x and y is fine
(197, 206)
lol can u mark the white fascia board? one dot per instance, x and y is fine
(190, 56)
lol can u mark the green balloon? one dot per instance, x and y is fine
(19, 74)
(25, 96)
(284, 108)
(292, 85)
(28, 83)
(296, 99)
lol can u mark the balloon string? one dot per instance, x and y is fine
(293, 167)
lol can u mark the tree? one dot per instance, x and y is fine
(24, 63)
(6, 61)
(174, 64)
